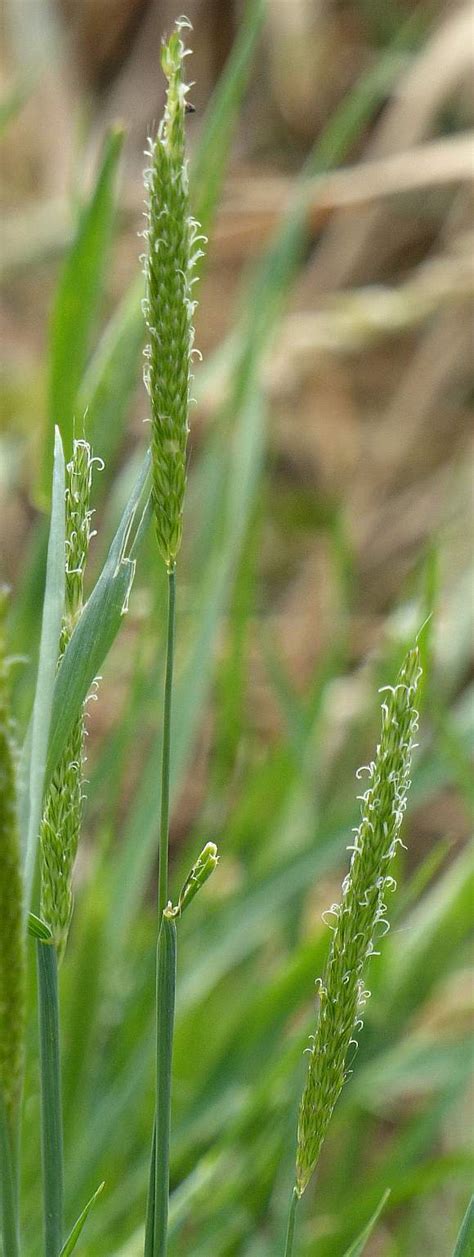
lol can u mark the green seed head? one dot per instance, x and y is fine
(200, 872)
(78, 530)
(12, 940)
(172, 251)
(61, 823)
(358, 917)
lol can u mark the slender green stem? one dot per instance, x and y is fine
(160, 1168)
(8, 1189)
(290, 1234)
(150, 1208)
(51, 1105)
(165, 1001)
(165, 760)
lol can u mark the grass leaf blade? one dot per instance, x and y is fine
(465, 1241)
(112, 373)
(210, 163)
(77, 297)
(72, 1239)
(97, 627)
(357, 1248)
(33, 765)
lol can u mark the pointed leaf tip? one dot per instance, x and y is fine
(74, 1235)
(465, 1241)
(358, 1247)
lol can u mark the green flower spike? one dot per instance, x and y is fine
(60, 827)
(172, 252)
(362, 910)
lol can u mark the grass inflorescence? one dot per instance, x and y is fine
(61, 823)
(171, 255)
(360, 918)
(172, 239)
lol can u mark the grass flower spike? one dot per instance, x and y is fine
(358, 918)
(12, 944)
(172, 251)
(205, 864)
(62, 815)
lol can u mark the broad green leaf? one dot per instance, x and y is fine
(465, 1241)
(72, 1239)
(34, 756)
(357, 1248)
(98, 624)
(76, 301)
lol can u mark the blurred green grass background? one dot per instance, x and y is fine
(327, 517)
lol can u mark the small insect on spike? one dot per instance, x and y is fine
(170, 259)
(362, 910)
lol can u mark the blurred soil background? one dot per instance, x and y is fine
(369, 377)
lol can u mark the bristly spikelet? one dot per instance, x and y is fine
(12, 941)
(78, 532)
(172, 251)
(60, 827)
(362, 909)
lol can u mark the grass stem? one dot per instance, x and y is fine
(290, 1233)
(158, 1188)
(165, 1001)
(165, 761)
(51, 1104)
(150, 1208)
